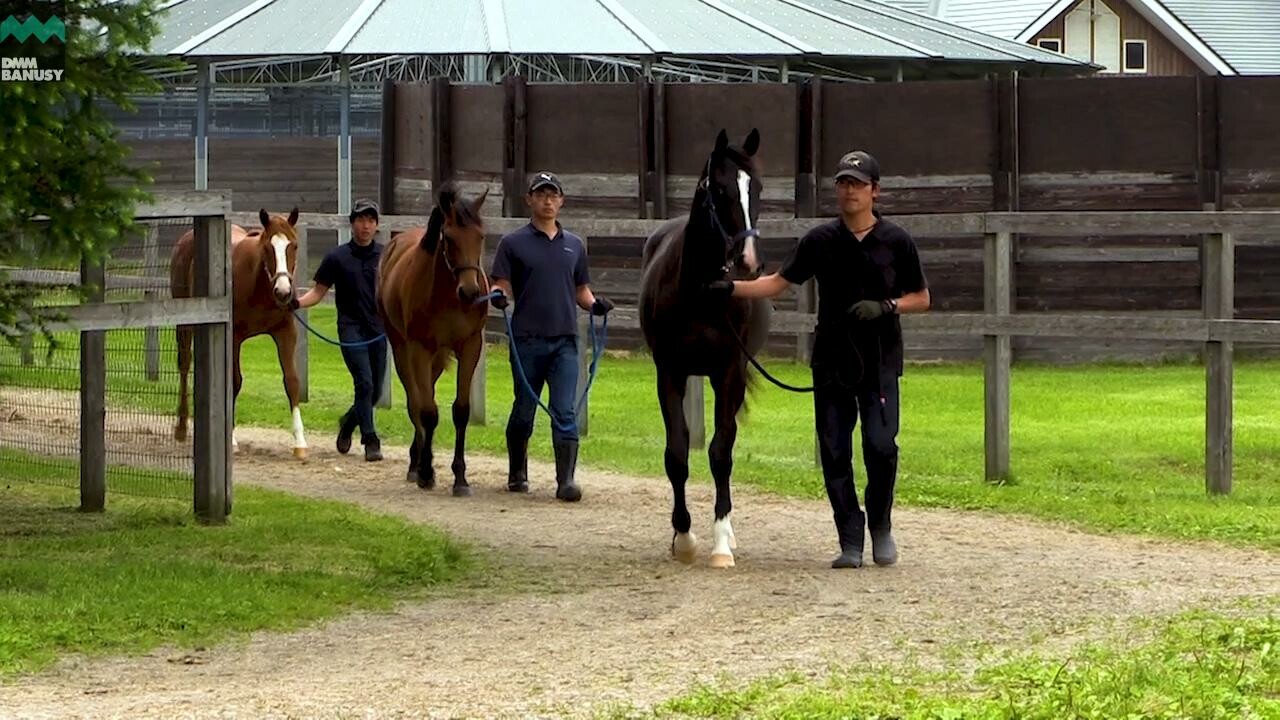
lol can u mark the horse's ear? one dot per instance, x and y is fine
(264, 217)
(479, 202)
(435, 226)
(293, 217)
(752, 143)
(722, 141)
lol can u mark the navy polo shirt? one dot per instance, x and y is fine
(545, 273)
(351, 270)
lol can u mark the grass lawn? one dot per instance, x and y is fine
(1192, 666)
(144, 574)
(1109, 447)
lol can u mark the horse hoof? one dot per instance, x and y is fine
(684, 548)
(300, 453)
(462, 491)
(719, 561)
(428, 482)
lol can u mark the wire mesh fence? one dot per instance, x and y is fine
(40, 380)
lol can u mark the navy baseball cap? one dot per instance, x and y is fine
(545, 179)
(859, 166)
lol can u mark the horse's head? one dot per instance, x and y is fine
(729, 192)
(455, 235)
(278, 244)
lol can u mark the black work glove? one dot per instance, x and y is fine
(601, 306)
(499, 300)
(720, 289)
(869, 309)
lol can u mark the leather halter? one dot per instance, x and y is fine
(737, 244)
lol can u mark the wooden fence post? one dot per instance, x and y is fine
(695, 411)
(211, 441)
(658, 192)
(151, 338)
(93, 398)
(302, 350)
(1219, 303)
(997, 355)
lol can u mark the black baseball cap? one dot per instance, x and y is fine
(859, 166)
(545, 179)
(363, 206)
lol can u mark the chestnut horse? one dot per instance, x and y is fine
(432, 300)
(691, 334)
(262, 285)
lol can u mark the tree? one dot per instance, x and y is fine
(66, 188)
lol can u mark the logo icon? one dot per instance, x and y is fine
(33, 41)
(32, 26)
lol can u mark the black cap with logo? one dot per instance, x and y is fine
(859, 166)
(363, 206)
(545, 179)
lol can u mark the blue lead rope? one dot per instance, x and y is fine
(362, 343)
(597, 349)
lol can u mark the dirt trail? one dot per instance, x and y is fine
(608, 617)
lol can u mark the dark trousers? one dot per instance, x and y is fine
(836, 410)
(554, 362)
(368, 367)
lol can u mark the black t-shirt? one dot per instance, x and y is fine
(884, 264)
(545, 274)
(351, 270)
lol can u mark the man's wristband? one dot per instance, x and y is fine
(893, 306)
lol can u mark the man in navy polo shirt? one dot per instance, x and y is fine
(351, 269)
(868, 272)
(543, 268)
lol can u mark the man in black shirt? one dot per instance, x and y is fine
(352, 270)
(868, 272)
(543, 268)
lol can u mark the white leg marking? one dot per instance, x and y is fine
(684, 547)
(299, 439)
(722, 553)
(235, 446)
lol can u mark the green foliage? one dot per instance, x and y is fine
(145, 574)
(1198, 665)
(60, 155)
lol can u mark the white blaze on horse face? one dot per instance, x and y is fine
(282, 286)
(744, 196)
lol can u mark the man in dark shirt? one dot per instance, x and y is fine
(351, 269)
(543, 268)
(868, 272)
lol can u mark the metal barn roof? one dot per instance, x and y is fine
(778, 28)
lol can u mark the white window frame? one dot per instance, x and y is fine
(1040, 43)
(1124, 58)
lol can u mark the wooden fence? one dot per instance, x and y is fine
(209, 311)
(1215, 328)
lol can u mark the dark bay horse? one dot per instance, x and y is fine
(692, 335)
(430, 297)
(262, 266)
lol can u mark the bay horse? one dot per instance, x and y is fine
(262, 285)
(431, 297)
(692, 335)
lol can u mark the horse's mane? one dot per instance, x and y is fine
(448, 197)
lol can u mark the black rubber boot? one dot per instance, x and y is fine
(851, 540)
(517, 464)
(372, 448)
(883, 548)
(566, 463)
(346, 426)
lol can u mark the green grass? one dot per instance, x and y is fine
(1197, 665)
(144, 574)
(1106, 447)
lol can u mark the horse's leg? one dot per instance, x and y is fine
(428, 414)
(286, 342)
(402, 358)
(185, 334)
(237, 380)
(468, 359)
(671, 387)
(730, 390)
